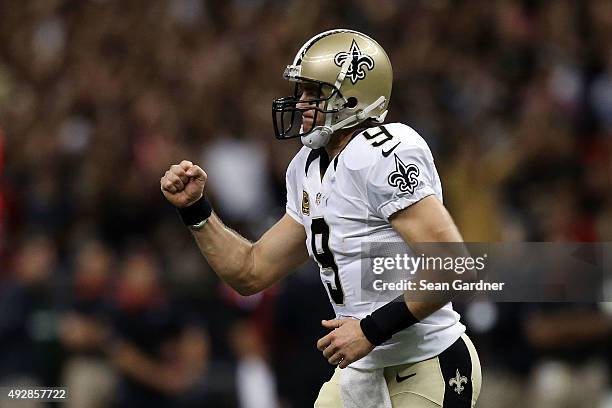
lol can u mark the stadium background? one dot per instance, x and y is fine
(102, 290)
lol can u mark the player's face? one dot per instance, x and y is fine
(309, 92)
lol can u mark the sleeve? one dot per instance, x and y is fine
(292, 207)
(400, 180)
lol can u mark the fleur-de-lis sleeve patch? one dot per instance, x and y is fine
(404, 177)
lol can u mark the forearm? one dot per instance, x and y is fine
(252, 267)
(430, 232)
(421, 310)
(228, 253)
(422, 302)
(411, 307)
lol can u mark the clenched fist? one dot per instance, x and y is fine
(183, 184)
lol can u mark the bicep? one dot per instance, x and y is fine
(280, 250)
(425, 221)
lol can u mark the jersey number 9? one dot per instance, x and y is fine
(325, 258)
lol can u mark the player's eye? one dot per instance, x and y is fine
(311, 90)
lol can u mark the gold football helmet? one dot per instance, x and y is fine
(353, 76)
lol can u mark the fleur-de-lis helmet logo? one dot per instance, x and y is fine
(405, 177)
(359, 61)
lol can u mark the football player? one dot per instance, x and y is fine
(356, 180)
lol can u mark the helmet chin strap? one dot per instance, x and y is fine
(320, 135)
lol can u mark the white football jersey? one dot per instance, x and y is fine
(382, 170)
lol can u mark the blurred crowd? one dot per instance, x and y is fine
(102, 289)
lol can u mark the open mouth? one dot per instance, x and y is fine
(307, 122)
(307, 117)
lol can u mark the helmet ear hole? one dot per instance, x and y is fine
(351, 102)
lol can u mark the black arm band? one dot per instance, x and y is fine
(196, 212)
(384, 322)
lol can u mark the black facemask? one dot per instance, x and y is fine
(287, 117)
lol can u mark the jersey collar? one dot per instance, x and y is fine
(321, 153)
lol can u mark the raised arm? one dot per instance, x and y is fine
(245, 266)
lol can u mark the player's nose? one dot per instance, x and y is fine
(302, 104)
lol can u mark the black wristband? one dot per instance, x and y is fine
(196, 212)
(384, 322)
